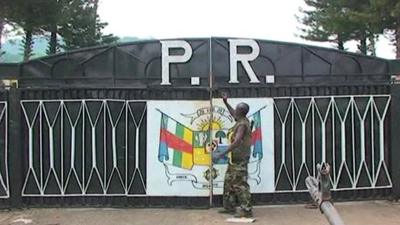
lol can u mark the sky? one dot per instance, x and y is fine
(260, 19)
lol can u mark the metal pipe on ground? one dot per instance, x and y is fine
(319, 189)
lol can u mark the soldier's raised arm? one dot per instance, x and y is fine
(231, 110)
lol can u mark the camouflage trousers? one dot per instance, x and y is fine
(236, 188)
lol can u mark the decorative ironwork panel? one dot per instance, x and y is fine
(90, 147)
(4, 178)
(349, 132)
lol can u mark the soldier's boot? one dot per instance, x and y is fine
(244, 214)
(227, 211)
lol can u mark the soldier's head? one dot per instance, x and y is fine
(241, 110)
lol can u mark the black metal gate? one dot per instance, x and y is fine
(74, 134)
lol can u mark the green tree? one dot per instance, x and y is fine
(5, 11)
(325, 21)
(394, 25)
(386, 13)
(28, 15)
(83, 27)
(368, 25)
(55, 18)
(340, 21)
(74, 21)
(220, 135)
(2, 24)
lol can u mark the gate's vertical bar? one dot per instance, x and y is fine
(211, 184)
(395, 143)
(15, 149)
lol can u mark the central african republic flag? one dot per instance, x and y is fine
(256, 136)
(176, 140)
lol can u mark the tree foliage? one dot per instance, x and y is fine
(344, 20)
(83, 27)
(76, 22)
(387, 15)
(325, 21)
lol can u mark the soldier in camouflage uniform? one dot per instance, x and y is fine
(236, 188)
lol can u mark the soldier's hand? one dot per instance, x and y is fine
(224, 96)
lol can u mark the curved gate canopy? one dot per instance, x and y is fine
(186, 62)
